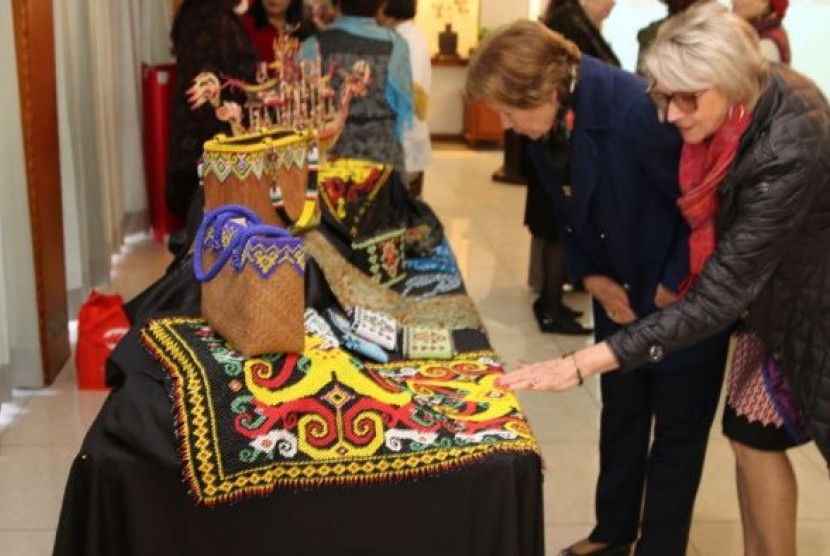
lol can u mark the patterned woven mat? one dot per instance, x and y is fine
(353, 288)
(247, 427)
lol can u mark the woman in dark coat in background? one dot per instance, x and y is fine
(207, 35)
(610, 169)
(580, 21)
(581, 26)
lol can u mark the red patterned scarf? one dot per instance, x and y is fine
(703, 166)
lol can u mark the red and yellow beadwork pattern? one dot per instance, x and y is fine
(247, 427)
(349, 186)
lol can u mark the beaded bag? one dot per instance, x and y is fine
(253, 291)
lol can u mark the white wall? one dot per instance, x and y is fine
(445, 114)
(464, 24)
(7, 67)
(156, 16)
(499, 12)
(808, 24)
(19, 340)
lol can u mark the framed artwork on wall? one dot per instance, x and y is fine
(451, 26)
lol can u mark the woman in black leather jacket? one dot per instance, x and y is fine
(755, 177)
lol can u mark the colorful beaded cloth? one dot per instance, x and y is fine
(348, 189)
(247, 427)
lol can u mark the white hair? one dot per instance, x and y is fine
(708, 46)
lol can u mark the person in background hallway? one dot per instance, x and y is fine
(645, 36)
(268, 19)
(320, 13)
(610, 168)
(207, 35)
(417, 147)
(755, 175)
(376, 121)
(766, 16)
(579, 22)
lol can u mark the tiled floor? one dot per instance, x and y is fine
(41, 431)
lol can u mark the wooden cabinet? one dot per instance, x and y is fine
(481, 123)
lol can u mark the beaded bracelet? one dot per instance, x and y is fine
(578, 370)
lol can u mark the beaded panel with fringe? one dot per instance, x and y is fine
(249, 426)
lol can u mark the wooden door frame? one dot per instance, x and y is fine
(37, 81)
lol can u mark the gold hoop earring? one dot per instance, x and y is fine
(740, 107)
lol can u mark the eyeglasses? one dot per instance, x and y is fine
(686, 102)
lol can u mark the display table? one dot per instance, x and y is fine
(126, 493)
(125, 496)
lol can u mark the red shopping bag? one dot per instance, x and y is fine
(101, 325)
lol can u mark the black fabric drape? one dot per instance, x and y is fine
(125, 496)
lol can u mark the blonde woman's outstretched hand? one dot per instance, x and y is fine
(560, 373)
(554, 375)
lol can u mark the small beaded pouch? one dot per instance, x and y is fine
(375, 327)
(318, 326)
(352, 342)
(428, 343)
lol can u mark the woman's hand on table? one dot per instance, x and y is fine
(612, 296)
(560, 373)
(553, 374)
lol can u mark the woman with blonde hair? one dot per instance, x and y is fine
(755, 176)
(610, 170)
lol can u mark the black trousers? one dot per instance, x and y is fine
(649, 485)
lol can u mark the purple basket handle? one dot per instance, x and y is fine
(217, 218)
(244, 236)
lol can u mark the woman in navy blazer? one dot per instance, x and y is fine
(611, 171)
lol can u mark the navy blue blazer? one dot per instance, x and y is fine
(619, 216)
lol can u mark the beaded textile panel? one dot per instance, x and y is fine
(249, 426)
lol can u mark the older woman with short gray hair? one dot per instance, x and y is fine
(710, 53)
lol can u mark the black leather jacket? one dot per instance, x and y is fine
(771, 267)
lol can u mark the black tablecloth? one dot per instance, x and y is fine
(125, 495)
